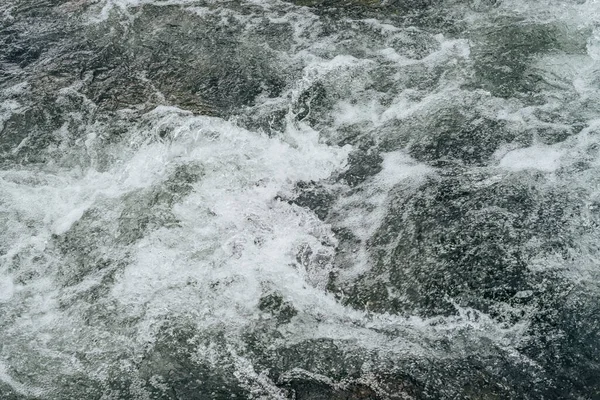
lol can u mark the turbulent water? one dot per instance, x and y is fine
(307, 199)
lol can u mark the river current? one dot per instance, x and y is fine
(305, 199)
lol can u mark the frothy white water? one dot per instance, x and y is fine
(543, 158)
(232, 234)
(230, 242)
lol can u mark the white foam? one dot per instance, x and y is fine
(65, 223)
(539, 157)
(7, 288)
(232, 232)
(348, 113)
(19, 88)
(391, 55)
(384, 28)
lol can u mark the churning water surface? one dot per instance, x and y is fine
(305, 199)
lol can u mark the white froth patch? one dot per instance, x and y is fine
(19, 88)
(348, 113)
(340, 63)
(200, 11)
(384, 28)
(392, 55)
(452, 50)
(406, 104)
(7, 108)
(539, 157)
(7, 288)
(233, 236)
(398, 166)
(63, 224)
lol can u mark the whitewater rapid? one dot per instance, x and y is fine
(273, 199)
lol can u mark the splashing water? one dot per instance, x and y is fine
(299, 199)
